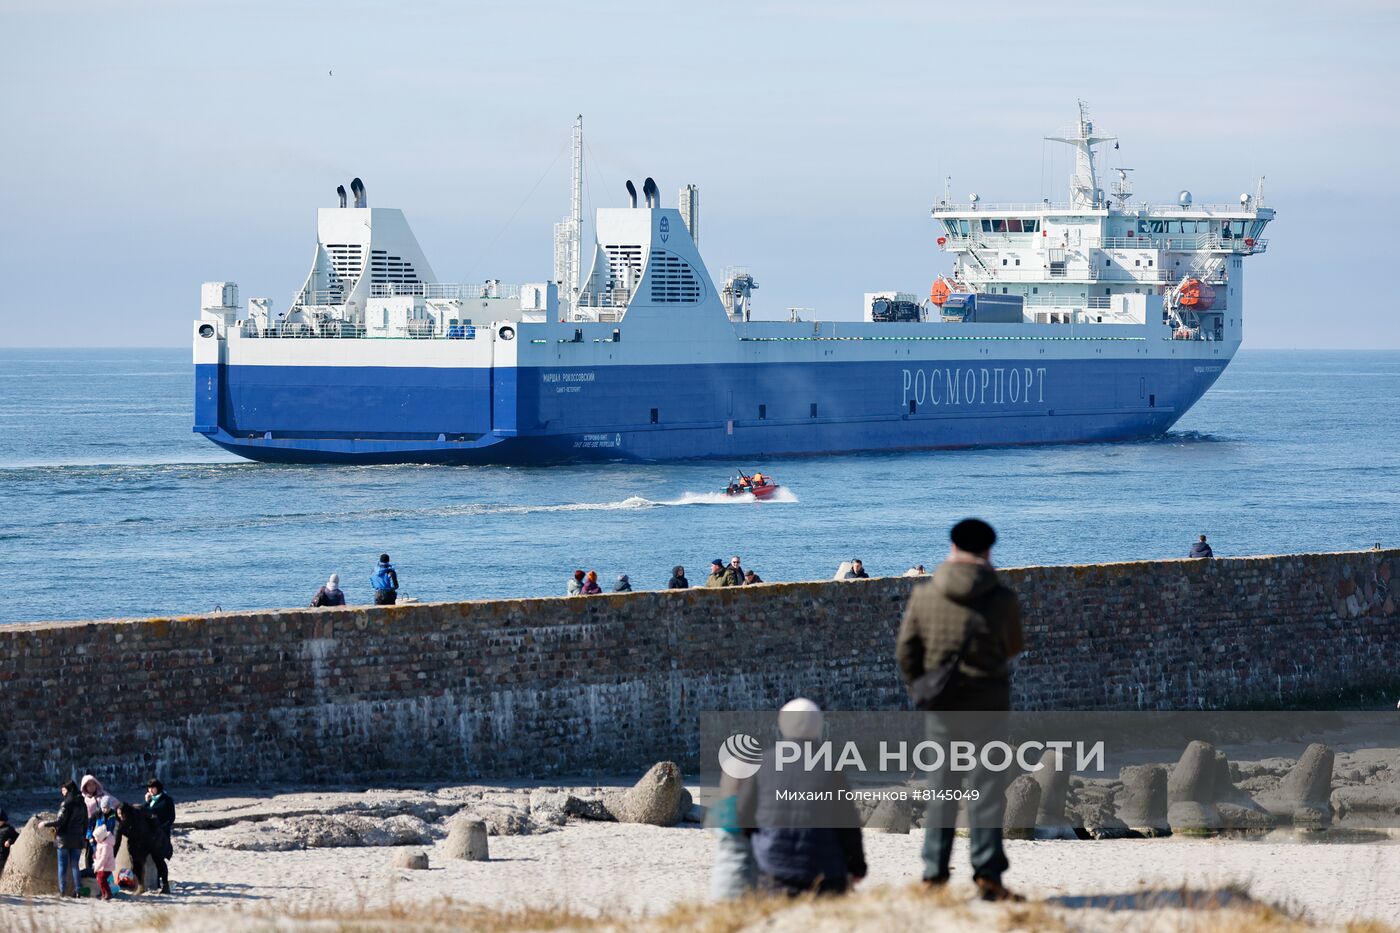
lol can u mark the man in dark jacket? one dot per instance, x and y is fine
(857, 571)
(734, 573)
(1201, 549)
(70, 836)
(162, 810)
(678, 580)
(138, 829)
(793, 856)
(965, 621)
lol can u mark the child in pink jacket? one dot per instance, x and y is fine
(104, 848)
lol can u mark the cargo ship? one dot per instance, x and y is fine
(1095, 319)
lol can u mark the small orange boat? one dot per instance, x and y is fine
(759, 486)
(1196, 295)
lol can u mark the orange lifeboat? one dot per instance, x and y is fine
(942, 288)
(1196, 295)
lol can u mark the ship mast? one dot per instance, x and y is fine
(1084, 183)
(568, 234)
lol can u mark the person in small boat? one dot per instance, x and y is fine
(758, 479)
(678, 580)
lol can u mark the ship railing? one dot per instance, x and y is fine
(323, 330)
(444, 290)
(1135, 276)
(1052, 301)
(329, 297)
(1188, 244)
(1065, 207)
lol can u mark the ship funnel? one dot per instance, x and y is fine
(652, 193)
(340, 190)
(632, 192)
(357, 188)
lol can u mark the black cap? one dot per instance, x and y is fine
(973, 535)
(384, 558)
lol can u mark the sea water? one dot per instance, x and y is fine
(111, 506)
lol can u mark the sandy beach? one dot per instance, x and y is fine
(638, 871)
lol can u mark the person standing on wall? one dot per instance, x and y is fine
(959, 633)
(385, 582)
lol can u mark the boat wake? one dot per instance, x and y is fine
(641, 502)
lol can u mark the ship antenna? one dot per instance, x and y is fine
(1084, 183)
(1122, 188)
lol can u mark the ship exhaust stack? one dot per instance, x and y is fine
(340, 190)
(652, 193)
(632, 192)
(357, 188)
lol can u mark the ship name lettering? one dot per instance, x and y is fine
(974, 385)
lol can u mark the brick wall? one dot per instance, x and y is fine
(611, 683)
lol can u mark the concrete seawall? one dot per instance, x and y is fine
(571, 685)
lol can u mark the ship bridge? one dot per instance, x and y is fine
(1073, 261)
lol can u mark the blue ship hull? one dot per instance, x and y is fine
(533, 415)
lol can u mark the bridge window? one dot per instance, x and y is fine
(1013, 225)
(998, 225)
(964, 227)
(986, 226)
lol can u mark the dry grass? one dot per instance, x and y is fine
(909, 909)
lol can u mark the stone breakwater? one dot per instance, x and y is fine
(533, 687)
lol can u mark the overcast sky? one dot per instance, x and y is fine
(151, 146)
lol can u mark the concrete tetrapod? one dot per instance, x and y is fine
(1051, 821)
(467, 839)
(1191, 792)
(150, 878)
(1142, 804)
(1022, 804)
(1304, 795)
(414, 859)
(655, 799)
(33, 865)
(1237, 809)
(890, 816)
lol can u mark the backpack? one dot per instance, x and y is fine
(381, 580)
